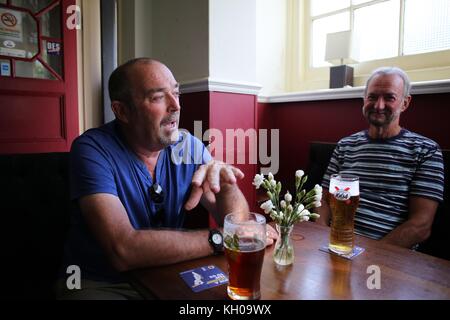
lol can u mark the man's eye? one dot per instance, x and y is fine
(157, 98)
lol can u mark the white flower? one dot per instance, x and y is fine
(267, 206)
(258, 180)
(291, 208)
(304, 218)
(299, 173)
(288, 197)
(305, 213)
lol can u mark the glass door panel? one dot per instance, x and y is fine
(32, 5)
(51, 23)
(31, 38)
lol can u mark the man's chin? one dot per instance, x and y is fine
(377, 121)
(174, 136)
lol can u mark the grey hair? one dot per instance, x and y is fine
(391, 70)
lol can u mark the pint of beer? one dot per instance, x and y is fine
(245, 242)
(343, 201)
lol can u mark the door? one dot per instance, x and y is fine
(38, 76)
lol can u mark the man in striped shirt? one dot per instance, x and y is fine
(401, 172)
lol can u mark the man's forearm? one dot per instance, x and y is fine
(144, 248)
(230, 199)
(406, 235)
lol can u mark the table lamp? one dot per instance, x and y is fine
(339, 51)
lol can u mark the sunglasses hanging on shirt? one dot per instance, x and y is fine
(156, 193)
(157, 196)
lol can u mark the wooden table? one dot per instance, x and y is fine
(315, 274)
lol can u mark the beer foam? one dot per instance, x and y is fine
(352, 187)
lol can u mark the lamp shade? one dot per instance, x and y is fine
(339, 48)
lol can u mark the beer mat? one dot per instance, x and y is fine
(203, 278)
(356, 252)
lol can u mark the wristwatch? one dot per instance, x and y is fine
(216, 241)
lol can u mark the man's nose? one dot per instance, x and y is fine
(173, 102)
(379, 104)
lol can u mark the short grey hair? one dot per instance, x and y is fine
(391, 70)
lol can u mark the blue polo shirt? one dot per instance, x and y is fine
(102, 162)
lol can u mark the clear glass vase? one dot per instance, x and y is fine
(284, 251)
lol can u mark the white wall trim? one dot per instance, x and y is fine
(423, 87)
(208, 84)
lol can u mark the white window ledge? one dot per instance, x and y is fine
(423, 87)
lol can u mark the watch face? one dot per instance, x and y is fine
(217, 238)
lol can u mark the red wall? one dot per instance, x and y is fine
(194, 107)
(330, 120)
(223, 111)
(302, 122)
(236, 111)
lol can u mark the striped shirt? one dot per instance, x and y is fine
(389, 171)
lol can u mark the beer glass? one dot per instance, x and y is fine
(343, 201)
(245, 242)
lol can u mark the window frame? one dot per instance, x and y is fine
(351, 9)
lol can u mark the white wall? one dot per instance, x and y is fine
(271, 45)
(89, 66)
(172, 31)
(232, 40)
(180, 37)
(143, 28)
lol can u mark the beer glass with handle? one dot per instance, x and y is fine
(245, 243)
(343, 201)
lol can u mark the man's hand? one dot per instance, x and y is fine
(272, 235)
(208, 179)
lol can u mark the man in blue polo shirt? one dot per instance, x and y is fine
(131, 182)
(401, 173)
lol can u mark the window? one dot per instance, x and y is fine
(381, 28)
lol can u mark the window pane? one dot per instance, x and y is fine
(356, 2)
(427, 26)
(19, 40)
(52, 55)
(33, 5)
(376, 31)
(335, 23)
(51, 23)
(324, 6)
(32, 70)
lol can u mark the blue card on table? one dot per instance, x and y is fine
(356, 252)
(203, 278)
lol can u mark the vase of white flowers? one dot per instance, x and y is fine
(288, 211)
(284, 250)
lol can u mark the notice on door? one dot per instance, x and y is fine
(11, 25)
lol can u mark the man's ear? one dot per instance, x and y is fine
(120, 110)
(406, 102)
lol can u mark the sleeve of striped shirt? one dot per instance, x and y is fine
(428, 180)
(333, 167)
